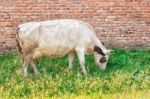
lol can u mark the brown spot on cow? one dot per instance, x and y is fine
(99, 50)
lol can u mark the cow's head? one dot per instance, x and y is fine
(101, 57)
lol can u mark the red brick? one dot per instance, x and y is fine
(123, 23)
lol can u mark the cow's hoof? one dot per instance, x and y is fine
(25, 76)
(37, 74)
(69, 69)
(85, 73)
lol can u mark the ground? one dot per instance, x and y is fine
(127, 77)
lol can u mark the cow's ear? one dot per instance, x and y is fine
(109, 51)
(98, 50)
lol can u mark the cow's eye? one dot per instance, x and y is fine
(102, 60)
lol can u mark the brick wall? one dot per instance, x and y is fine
(122, 23)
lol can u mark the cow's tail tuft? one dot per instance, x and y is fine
(17, 41)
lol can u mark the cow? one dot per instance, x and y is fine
(57, 38)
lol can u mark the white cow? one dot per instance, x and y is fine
(56, 38)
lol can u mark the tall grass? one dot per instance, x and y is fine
(128, 71)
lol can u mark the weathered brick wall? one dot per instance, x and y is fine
(124, 23)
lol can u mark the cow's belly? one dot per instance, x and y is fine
(50, 51)
(55, 51)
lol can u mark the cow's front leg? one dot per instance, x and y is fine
(80, 52)
(70, 58)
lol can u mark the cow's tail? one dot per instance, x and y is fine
(17, 41)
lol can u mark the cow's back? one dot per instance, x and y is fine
(66, 30)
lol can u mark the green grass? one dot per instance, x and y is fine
(127, 77)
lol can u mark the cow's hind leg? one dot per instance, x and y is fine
(70, 58)
(34, 67)
(80, 52)
(25, 63)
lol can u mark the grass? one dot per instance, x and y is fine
(127, 77)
